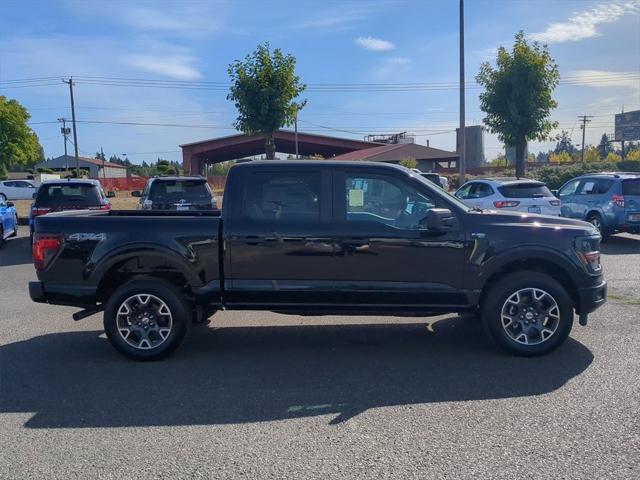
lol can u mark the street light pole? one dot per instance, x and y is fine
(461, 134)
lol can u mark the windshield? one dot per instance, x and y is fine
(525, 190)
(449, 197)
(68, 194)
(177, 190)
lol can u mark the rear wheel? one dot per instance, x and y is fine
(3, 197)
(146, 319)
(528, 313)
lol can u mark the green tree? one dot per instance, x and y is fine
(263, 88)
(499, 161)
(517, 96)
(604, 147)
(565, 144)
(19, 145)
(409, 162)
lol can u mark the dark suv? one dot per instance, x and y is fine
(59, 195)
(176, 193)
(610, 201)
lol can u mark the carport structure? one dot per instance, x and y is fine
(196, 155)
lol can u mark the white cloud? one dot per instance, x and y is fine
(605, 78)
(178, 67)
(374, 44)
(583, 24)
(398, 61)
(147, 19)
(394, 67)
(343, 17)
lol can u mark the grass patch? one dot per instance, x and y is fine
(620, 298)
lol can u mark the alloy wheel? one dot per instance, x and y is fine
(530, 316)
(144, 321)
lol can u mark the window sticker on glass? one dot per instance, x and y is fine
(356, 198)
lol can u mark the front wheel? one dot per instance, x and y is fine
(528, 313)
(15, 226)
(146, 319)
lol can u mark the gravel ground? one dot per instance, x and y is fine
(260, 395)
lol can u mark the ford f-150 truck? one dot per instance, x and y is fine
(320, 237)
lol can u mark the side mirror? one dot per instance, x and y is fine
(10, 204)
(554, 193)
(136, 193)
(438, 220)
(111, 194)
(34, 195)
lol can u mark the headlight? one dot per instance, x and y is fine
(588, 250)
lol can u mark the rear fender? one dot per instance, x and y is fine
(95, 272)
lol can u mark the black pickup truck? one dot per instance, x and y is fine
(320, 237)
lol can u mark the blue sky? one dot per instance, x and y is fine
(596, 44)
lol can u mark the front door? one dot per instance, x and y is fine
(385, 255)
(279, 250)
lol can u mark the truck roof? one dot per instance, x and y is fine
(317, 163)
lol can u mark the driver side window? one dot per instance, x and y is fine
(569, 189)
(375, 198)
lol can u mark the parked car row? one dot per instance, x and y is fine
(610, 201)
(160, 193)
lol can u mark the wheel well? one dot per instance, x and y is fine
(536, 265)
(593, 212)
(128, 269)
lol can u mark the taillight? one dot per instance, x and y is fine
(45, 247)
(554, 203)
(39, 211)
(618, 200)
(505, 203)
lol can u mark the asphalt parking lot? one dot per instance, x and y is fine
(257, 395)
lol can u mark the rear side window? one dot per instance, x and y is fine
(631, 186)
(293, 197)
(81, 195)
(525, 190)
(176, 190)
(603, 186)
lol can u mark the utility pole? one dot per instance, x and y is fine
(104, 171)
(73, 121)
(585, 120)
(622, 141)
(295, 123)
(461, 134)
(65, 131)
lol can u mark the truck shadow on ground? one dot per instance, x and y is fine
(15, 251)
(254, 374)
(621, 245)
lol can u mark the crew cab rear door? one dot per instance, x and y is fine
(385, 257)
(278, 244)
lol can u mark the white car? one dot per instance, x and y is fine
(509, 194)
(16, 190)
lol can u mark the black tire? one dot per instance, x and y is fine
(174, 300)
(596, 220)
(496, 299)
(3, 197)
(15, 227)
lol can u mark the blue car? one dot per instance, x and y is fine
(8, 220)
(610, 201)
